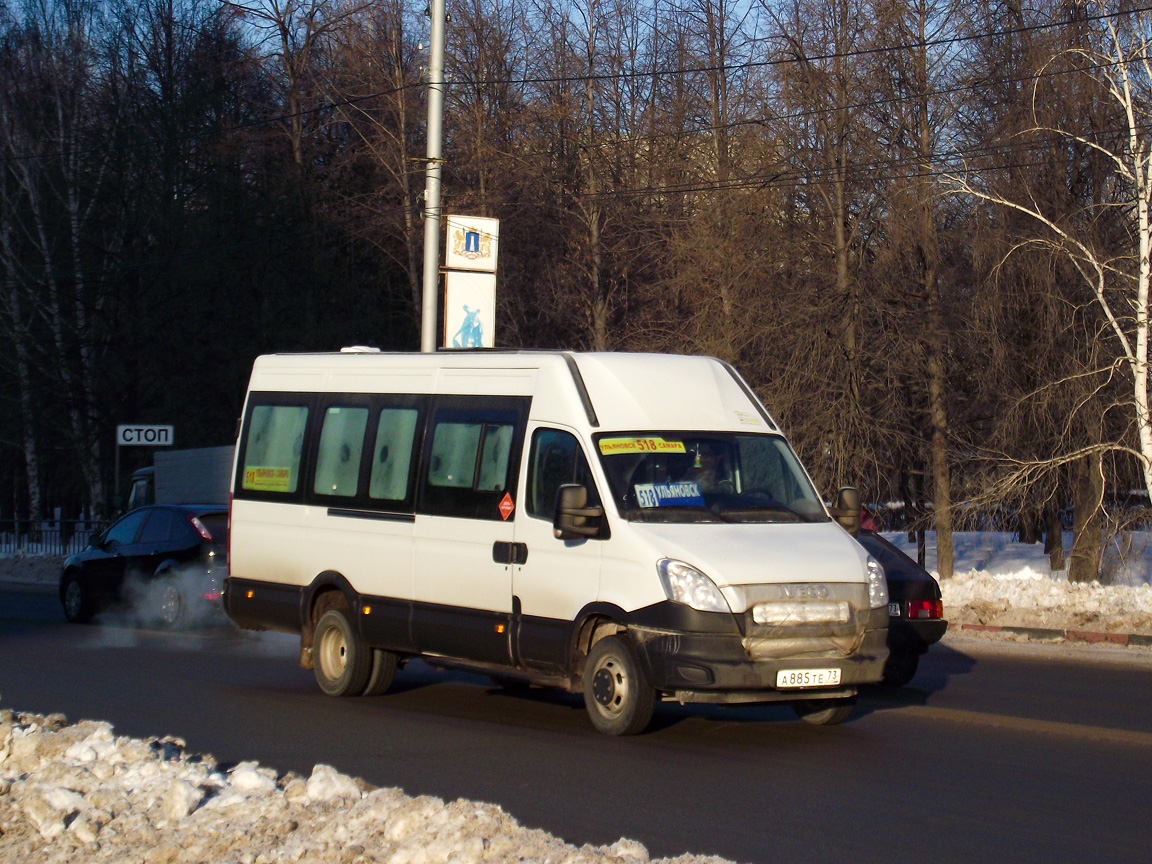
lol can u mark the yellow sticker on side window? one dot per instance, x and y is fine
(268, 479)
(614, 446)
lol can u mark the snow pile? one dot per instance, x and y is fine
(1030, 599)
(79, 793)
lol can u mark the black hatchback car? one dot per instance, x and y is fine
(166, 563)
(915, 608)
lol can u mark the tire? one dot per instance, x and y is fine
(169, 605)
(79, 606)
(343, 662)
(618, 698)
(825, 712)
(900, 668)
(383, 672)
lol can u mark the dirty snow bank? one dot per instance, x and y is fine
(1029, 599)
(78, 793)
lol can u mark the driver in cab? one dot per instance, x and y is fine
(707, 470)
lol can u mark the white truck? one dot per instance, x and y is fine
(199, 475)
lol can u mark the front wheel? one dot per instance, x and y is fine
(825, 712)
(343, 662)
(618, 697)
(79, 606)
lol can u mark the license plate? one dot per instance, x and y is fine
(894, 610)
(792, 678)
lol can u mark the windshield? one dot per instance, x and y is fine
(707, 477)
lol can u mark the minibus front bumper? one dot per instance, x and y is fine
(734, 667)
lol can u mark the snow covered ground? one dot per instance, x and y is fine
(79, 793)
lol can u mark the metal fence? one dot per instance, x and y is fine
(56, 537)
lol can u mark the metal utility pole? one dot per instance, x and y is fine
(432, 178)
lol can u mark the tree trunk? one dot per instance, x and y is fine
(1087, 495)
(1054, 539)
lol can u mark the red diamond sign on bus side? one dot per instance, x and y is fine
(506, 506)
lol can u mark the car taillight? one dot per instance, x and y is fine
(925, 608)
(200, 529)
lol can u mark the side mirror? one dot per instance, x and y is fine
(573, 515)
(847, 509)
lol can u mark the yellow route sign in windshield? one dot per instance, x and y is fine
(615, 446)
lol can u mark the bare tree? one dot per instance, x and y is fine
(293, 32)
(56, 166)
(374, 83)
(1107, 239)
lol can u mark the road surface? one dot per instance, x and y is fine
(1006, 753)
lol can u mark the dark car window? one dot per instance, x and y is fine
(124, 531)
(158, 528)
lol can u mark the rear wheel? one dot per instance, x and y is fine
(619, 699)
(343, 662)
(900, 667)
(825, 712)
(79, 607)
(383, 672)
(170, 606)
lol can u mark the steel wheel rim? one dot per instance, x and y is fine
(333, 653)
(73, 598)
(610, 686)
(170, 605)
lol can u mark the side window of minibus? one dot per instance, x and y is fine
(273, 448)
(471, 456)
(456, 449)
(556, 459)
(340, 448)
(392, 459)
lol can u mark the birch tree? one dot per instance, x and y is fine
(1108, 239)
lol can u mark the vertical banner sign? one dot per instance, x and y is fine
(469, 309)
(470, 282)
(473, 243)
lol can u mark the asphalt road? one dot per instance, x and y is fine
(994, 753)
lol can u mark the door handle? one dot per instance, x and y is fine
(504, 552)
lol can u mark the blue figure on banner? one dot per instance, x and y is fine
(471, 332)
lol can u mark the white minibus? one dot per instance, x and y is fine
(630, 527)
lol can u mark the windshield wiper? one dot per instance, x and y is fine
(752, 509)
(642, 514)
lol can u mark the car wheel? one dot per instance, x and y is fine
(825, 712)
(79, 606)
(342, 662)
(900, 668)
(618, 697)
(383, 672)
(170, 606)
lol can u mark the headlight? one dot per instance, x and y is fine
(877, 584)
(687, 585)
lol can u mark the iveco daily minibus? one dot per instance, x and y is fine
(632, 527)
